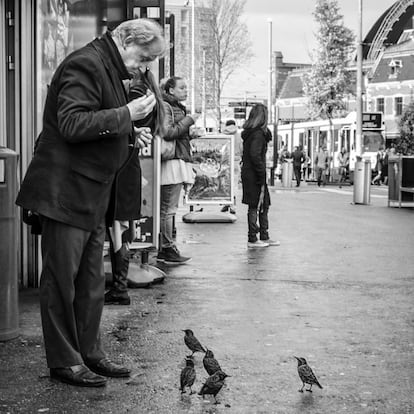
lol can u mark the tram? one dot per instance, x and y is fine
(335, 134)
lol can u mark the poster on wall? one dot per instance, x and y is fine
(213, 161)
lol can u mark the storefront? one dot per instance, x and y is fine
(37, 36)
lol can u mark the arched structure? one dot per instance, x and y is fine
(388, 28)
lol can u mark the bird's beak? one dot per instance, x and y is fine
(296, 357)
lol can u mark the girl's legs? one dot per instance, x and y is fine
(170, 197)
(252, 224)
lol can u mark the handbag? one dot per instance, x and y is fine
(168, 147)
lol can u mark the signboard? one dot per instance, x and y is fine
(148, 227)
(372, 120)
(213, 160)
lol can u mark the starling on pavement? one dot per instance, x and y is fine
(192, 342)
(188, 376)
(306, 374)
(210, 363)
(213, 385)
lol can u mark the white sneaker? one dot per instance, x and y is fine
(272, 242)
(257, 244)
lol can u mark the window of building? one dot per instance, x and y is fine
(395, 68)
(398, 105)
(380, 105)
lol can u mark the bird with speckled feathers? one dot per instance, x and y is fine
(187, 376)
(306, 374)
(214, 383)
(192, 342)
(210, 363)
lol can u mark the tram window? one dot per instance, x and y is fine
(373, 140)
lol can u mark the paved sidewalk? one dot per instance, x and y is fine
(338, 291)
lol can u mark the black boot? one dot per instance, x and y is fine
(118, 294)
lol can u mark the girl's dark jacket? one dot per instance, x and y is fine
(84, 142)
(178, 126)
(253, 171)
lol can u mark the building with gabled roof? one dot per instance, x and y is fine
(390, 85)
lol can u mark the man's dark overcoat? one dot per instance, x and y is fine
(84, 142)
(253, 171)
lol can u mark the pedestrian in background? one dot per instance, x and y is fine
(256, 136)
(378, 167)
(176, 173)
(87, 127)
(343, 161)
(127, 206)
(298, 159)
(322, 165)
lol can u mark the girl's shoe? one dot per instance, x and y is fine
(272, 242)
(257, 244)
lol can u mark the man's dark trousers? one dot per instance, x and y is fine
(72, 290)
(298, 173)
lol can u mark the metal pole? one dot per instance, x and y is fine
(269, 99)
(358, 140)
(192, 58)
(203, 102)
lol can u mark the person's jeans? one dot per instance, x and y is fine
(253, 228)
(170, 197)
(321, 176)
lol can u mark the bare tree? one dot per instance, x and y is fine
(232, 47)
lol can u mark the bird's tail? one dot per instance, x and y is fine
(319, 385)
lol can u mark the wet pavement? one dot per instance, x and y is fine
(337, 291)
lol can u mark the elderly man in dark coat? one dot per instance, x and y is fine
(87, 128)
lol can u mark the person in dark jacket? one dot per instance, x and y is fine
(178, 172)
(298, 158)
(127, 206)
(87, 128)
(256, 136)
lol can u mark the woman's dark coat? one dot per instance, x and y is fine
(128, 189)
(178, 125)
(253, 171)
(84, 142)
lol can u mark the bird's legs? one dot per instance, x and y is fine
(310, 389)
(215, 401)
(191, 391)
(301, 390)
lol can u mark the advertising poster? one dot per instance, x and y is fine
(213, 158)
(147, 228)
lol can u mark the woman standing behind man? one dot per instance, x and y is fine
(177, 172)
(256, 195)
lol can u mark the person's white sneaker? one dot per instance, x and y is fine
(272, 242)
(257, 244)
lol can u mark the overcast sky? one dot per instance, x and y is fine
(293, 29)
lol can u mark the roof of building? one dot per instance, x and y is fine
(396, 63)
(293, 86)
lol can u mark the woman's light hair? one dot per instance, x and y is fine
(142, 32)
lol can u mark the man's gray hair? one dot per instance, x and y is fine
(142, 32)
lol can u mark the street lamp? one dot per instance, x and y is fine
(269, 99)
(192, 57)
(358, 138)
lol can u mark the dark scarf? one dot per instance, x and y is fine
(111, 49)
(173, 101)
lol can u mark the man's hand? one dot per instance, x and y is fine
(139, 108)
(143, 136)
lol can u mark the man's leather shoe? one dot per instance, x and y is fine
(112, 298)
(107, 368)
(78, 375)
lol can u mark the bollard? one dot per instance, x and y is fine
(287, 173)
(9, 314)
(362, 182)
